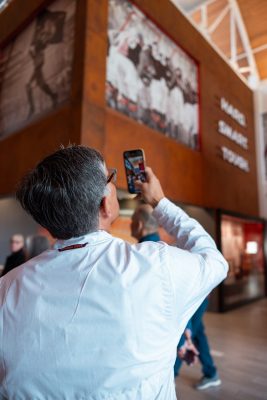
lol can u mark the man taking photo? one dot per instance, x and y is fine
(97, 318)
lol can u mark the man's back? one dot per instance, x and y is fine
(114, 329)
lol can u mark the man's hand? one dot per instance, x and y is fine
(151, 190)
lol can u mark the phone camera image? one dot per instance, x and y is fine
(135, 168)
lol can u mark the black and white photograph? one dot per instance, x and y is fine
(149, 77)
(35, 67)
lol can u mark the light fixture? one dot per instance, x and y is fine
(251, 247)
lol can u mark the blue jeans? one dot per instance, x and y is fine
(201, 342)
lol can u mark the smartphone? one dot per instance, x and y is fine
(134, 163)
(189, 357)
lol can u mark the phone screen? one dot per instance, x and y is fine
(135, 168)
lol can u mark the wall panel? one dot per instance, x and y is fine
(195, 177)
(201, 178)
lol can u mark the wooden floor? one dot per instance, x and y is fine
(238, 341)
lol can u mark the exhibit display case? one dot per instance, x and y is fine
(242, 244)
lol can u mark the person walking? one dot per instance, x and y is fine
(195, 339)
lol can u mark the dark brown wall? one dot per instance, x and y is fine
(93, 121)
(200, 178)
(22, 151)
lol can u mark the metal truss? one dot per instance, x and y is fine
(237, 30)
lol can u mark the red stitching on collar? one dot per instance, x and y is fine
(73, 246)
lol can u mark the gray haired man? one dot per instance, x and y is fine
(96, 317)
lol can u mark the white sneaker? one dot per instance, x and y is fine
(206, 382)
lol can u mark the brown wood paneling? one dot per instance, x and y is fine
(93, 102)
(227, 186)
(200, 178)
(21, 151)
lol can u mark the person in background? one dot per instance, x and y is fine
(97, 317)
(195, 339)
(35, 245)
(144, 226)
(17, 256)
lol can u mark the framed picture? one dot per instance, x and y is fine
(35, 67)
(149, 77)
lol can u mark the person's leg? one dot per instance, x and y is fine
(200, 340)
(40, 81)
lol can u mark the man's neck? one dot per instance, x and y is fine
(104, 225)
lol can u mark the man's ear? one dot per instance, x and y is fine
(105, 209)
(140, 226)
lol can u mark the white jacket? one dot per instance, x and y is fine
(103, 321)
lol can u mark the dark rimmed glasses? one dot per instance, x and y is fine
(112, 175)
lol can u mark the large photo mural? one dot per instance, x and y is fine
(149, 77)
(35, 67)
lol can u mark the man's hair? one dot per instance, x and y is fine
(64, 192)
(144, 213)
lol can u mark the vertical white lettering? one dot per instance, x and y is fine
(233, 112)
(235, 159)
